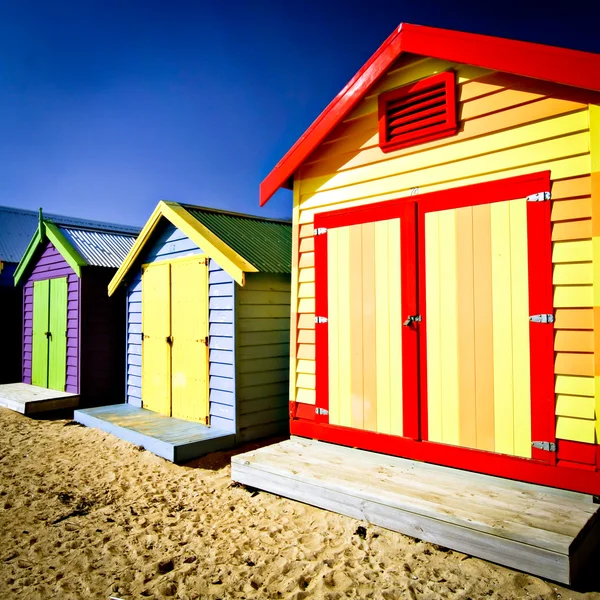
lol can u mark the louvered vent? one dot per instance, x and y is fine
(419, 112)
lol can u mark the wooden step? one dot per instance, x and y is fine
(540, 530)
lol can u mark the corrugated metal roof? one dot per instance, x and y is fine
(99, 248)
(265, 243)
(17, 227)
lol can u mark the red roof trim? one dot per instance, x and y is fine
(549, 63)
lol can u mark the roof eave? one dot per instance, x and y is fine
(47, 230)
(549, 63)
(229, 260)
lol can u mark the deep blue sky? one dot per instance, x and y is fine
(106, 107)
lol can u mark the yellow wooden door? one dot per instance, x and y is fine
(189, 328)
(156, 347)
(477, 299)
(365, 327)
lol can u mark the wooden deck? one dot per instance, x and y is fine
(30, 399)
(173, 439)
(546, 532)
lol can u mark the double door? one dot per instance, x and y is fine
(430, 318)
(49, 348)
(175, 338)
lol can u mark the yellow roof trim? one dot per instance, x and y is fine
(213, 246)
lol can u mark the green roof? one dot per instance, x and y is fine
(265, 243)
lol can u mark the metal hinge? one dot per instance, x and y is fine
(539, 197)
(321, 411)
(544, 318)
(547, 446)
(320, 230)
(320, 319)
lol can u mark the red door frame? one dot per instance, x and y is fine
(405, 210)
(566, 474)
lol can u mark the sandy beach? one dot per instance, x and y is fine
(85, 515)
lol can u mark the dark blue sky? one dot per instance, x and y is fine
(108, 106)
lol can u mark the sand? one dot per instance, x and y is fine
(85, 515)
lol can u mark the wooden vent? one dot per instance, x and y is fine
(418, 112)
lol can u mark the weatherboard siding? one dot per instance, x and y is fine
(509, 126)
(52, 265)
(262, 362)
(170, 244)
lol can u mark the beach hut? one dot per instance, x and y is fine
(17, 226)
(72, 331)
(207, 332)
(445, 290)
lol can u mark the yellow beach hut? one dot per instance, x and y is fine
(207, 332)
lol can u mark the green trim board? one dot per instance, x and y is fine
(238, 243)
(47, 230)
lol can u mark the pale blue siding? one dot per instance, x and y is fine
(171, 243)
(262, 355)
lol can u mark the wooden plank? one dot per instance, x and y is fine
(466, 327)
(327, 480)
(520, 328)
(449, 327)
(395, 321)
(333, 325)
(342, 151)
(345, 415)
(466, 156)
(369, 327)
(306, 336)
(483, 330)
(572, 230)
(573, 296)
(574, 341)
(571, 188)
(573, 273)
(382, 326)
(574, 386)
(580, 407)
(574, 318)
(356, 328)
(513, 554)
(434, 325)
(574, 363)
(565, 210)
(578, 430)
(568, 252)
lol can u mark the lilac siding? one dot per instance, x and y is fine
(50, 266)
(171, 243)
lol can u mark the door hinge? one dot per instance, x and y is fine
(320, 230)
(539, 197)
(547, 446)
(320, 319)
(205, 341)
(543, 318)
(321, 411)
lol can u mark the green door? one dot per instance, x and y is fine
(49, 360)
(41, 314)
(57, 342)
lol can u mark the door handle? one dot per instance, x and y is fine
(412, 319)
(169, 339)
(48, 334)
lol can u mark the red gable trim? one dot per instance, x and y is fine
(549, 63)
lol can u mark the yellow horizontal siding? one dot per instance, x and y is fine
(573, 274)
(577, 430)
(580, 407)
(574, 386)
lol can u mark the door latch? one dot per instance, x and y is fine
(412, 319)
(169, 339)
